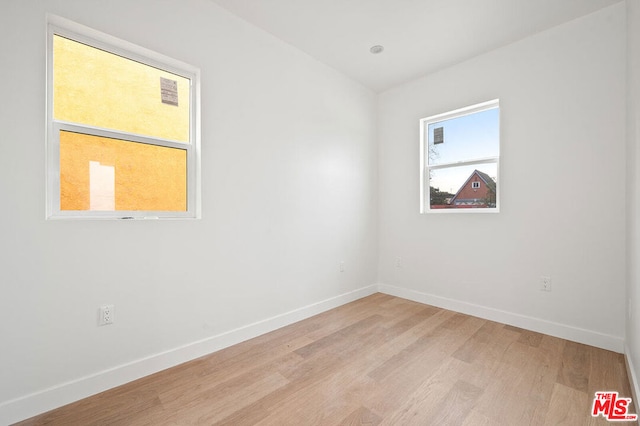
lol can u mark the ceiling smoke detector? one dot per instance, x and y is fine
(376, 49)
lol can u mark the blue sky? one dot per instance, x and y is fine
(468, 137)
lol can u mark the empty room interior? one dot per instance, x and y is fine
(331, 212)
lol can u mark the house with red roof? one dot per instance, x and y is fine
(478, 191)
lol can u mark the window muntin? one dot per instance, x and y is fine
(123, 129)
(460, 159)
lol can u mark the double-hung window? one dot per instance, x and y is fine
(460, 159)
(123, 131)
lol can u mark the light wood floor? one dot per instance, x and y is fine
(378, 361)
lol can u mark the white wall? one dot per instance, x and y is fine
(562, 99)
(289, 178)
(632, 334)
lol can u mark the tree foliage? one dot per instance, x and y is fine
(439, 197)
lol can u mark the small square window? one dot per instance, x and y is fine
(460, 159)
(123, 129)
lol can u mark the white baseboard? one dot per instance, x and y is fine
(588, 337)
(633, 379)
(42, 401)
(39, 402)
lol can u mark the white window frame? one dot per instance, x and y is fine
(68, 29)
(475, 185)
(425, 167)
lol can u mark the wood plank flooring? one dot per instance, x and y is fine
(380, 360)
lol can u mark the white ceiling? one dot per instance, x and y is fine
(419, 36)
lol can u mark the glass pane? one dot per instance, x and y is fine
(464, 138)
(98, 173)
(463, 187)
(98, 88)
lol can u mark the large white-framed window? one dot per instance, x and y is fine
(460, 160)
(123, 128)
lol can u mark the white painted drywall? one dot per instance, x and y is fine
(632, 330)
(289, 187)
(562, 99)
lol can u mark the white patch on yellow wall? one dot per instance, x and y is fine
(102, 186)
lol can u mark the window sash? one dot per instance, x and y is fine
(54, 178)
(425, 201)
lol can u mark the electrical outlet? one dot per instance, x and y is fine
(545, 283)
(106, 315)
(398, 262)
(342, 266)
